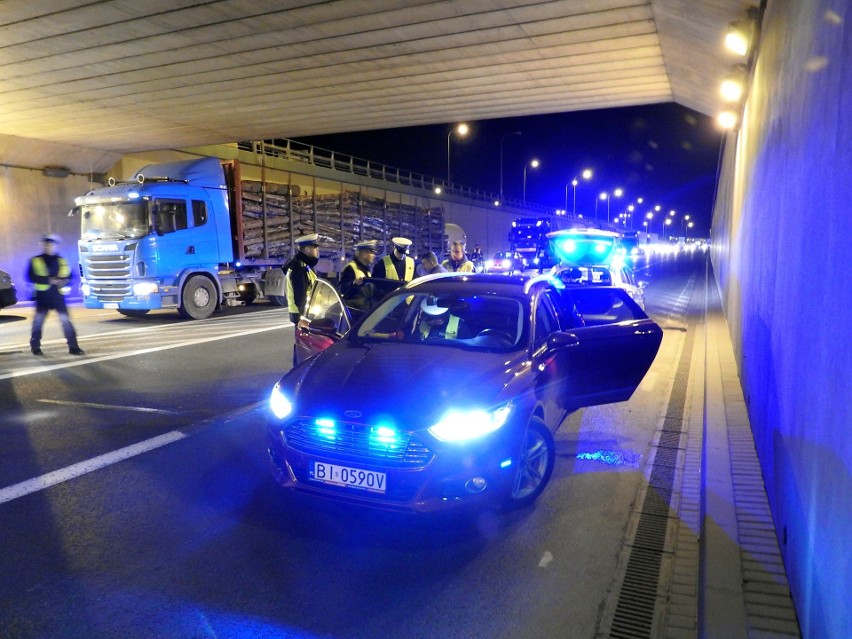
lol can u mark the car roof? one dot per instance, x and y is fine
(490, 283)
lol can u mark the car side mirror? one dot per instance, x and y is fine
(561, 340)
(323, 326)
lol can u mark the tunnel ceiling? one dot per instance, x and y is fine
(124, 75)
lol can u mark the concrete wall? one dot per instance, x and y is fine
(31, 205)
(781, 256)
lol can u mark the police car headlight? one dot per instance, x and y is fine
(278, 402)
(464, 425)
(145, 288)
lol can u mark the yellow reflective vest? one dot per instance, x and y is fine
(291, 297)
(464, 267)
(390, 269)
(40, 269)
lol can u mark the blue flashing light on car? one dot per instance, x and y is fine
(385, 438)
(278, 403)
(464, 425)
(326, 428)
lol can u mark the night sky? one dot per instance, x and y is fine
(665, 153)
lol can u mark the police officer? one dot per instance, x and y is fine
(458, 263)
(50, 275)
(396, 265)
(301, 275)
(352, 286)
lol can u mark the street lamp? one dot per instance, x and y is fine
(688, 226)
(683, 221)
(462, 129)
(501, 159)
(617, 193)
(586, 175)
(534, 164)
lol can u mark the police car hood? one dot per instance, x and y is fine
(412, 383)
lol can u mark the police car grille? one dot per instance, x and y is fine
(358, 443)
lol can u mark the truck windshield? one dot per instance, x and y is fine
(114, 220)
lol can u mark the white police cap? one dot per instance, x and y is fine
(401, 243)
(53, 237)
(430, 306)
(367, 245)
(308, 240)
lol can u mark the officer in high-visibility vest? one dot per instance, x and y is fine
(301, 275)
(458, 263)
(396, 265)
(50, 275)
(353, 289)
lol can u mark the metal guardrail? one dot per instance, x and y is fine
(316, 156)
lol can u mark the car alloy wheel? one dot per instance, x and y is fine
(535, 465)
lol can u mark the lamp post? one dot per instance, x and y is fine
(501, 158)
(586, 174)
(688, 226)
(617, 193)
(683, 221)
(603, 196)
(534, 164)
(462, 129)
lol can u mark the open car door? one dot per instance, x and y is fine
(606, 356)
(325, 321)
(328, 317)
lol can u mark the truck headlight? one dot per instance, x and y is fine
(145, 288)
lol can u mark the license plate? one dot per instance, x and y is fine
(112, 305)
(351, 477)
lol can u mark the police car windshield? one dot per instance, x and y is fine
(464, 321)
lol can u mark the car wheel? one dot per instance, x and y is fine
(199, 299)
(535, 465)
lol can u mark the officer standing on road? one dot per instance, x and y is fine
(397, 265)
(301, 275)
(352, 287)
(50, 275)
(458, 263)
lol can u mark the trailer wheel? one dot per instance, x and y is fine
(133, 312)
(198, 300)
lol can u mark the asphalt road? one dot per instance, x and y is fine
(135, 499)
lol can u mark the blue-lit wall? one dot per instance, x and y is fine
(781, 255)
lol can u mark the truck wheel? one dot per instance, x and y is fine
(198, 300)
(246, 298)
(133, 312)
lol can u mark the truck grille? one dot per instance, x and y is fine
(108, 276)
(358, 443)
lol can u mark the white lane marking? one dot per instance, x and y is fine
(91, 360)
(545, 559)
(214, 322)
(76, 470)
(140, 409)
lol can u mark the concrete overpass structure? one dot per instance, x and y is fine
(84, 84)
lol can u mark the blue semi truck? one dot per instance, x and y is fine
(178, 235)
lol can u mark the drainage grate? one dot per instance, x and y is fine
(635, 611)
